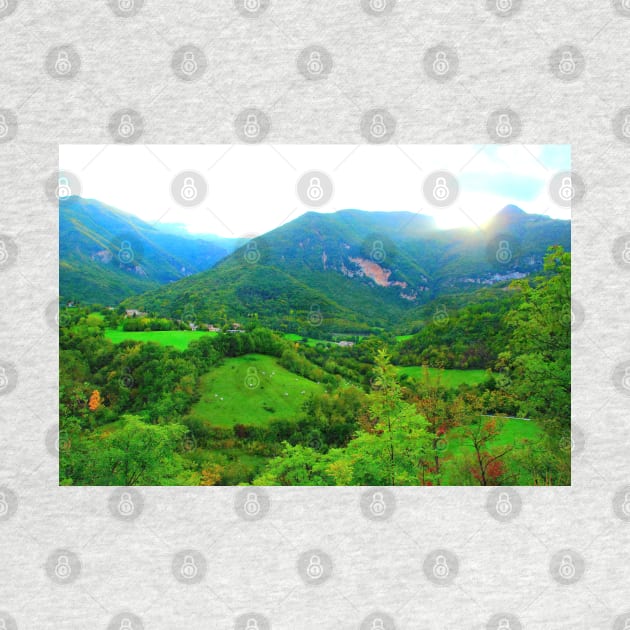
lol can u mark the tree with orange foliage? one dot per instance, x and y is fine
(95, 400)
(211, 475)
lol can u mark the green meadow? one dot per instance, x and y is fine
(447, 378)
(179, 339)
(251, 389)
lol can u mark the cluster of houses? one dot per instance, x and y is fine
(236, 327)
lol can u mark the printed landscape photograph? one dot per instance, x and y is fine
(326, 315)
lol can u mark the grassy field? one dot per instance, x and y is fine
(309, 340)
(513, 432)
(179, 339)
(251, 389)
(448, 378)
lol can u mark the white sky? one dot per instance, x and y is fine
(252, 188)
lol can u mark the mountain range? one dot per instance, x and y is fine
(354, 270)
(106, 255)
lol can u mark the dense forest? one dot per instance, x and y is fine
(374, 410)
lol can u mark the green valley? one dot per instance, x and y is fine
(305, 358)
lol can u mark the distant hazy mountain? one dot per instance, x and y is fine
(106, 255)
(353, 268)
(179, 229)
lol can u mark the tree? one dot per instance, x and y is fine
(390, 448)
(298, 466)
(488, 467)
(136, 454)
(539, 351)
(95, 400)
(211, 475)
(441, 413)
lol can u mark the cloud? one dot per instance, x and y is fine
(252, 189)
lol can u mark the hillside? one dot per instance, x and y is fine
(106, 255)
(351, 270)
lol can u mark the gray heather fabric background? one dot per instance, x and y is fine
(561, 556)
